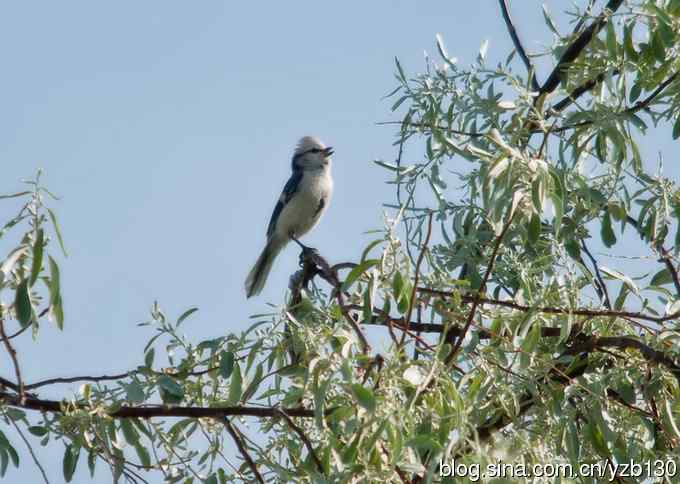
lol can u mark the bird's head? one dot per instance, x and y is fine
(311, 154)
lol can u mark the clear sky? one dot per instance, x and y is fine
(167, 127)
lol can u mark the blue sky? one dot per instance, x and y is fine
(167, 128)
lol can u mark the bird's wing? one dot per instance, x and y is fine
(288, 191)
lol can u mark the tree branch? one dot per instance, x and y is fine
(576, 47)
(13, 356)
(554, 310)
(242, 448)
(598, 275)
(518, 45)
(578, 92)
(305, 440)
(627, 342)
(666, 259)
(55, 406)
(312, 264)
(417, 276)
(482, 288)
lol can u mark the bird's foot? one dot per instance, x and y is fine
(307, 253)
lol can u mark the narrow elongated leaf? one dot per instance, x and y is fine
(662, 277)
(37, 255)
(185, 315)
(22, 304)
(606, 231)
(226, 364)
(358, 271)
(70, 462)
(235, 386)
(57, 230)
(364, 396)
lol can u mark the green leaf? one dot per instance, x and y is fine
(628, 46)
(134, 392)
(37, 255)
(148, 358)
(676, 128)
(635, 92)
(235, 386)
(254, 383)
(22, 304)
(37, 430)
(15, 414)
(55, 224)
(606, 231)
(549, 21)
(572, 248)
(143, 454)
(364, 396)
(621, 277)
(131, 435)
(185, 315)
(532, 338)
(11, 261)
(357, 271)
(534, 228)
(14, 195)
(70, 462)
(611, 40)
(55, 293)
(662, 277)
(226, 364)
(170, 390)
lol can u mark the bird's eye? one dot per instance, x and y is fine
(315, 150)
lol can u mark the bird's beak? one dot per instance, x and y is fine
(328, 151)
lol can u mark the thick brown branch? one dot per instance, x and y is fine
(577, 46)
(55, 406)
(555, 310)
(577, 93)
(518, 44)
(628, 342)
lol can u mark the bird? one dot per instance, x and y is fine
(304, 199)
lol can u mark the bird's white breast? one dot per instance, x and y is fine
(303, 211)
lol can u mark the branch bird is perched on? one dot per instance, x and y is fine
(304, 199)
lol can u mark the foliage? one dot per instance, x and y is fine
(508, 339)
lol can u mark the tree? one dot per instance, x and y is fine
(509, 339)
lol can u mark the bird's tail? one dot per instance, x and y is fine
(258, 274)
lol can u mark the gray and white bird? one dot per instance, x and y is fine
(304, 199)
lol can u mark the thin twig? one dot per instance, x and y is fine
(13, 355)
(305, 440)
(666, 259)
(30, 451)
(482, 288)
(421, 256)
(598, 275)
(518, 44)
(423, 125)
(244, 452)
